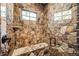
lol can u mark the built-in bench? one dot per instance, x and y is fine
(31, 48)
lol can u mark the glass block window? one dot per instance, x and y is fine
(63, 15)
(29, 15)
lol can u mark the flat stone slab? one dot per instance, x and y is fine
(26, 49)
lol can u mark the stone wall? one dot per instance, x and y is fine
(23, 33)
(28, 32)
(70, 23)
(44, 28)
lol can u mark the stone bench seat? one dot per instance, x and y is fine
(31, 48)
